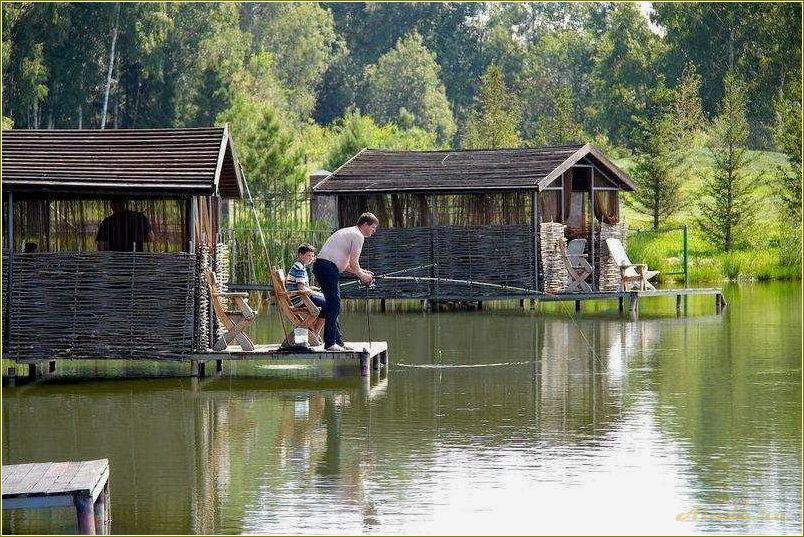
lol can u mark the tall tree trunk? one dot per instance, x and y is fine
(111, 67)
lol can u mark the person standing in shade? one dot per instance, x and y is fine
(123, 230)
(341, 253)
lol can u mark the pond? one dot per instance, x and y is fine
(501, 421)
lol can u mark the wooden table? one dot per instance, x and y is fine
(83, 484)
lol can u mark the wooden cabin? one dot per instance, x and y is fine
(62, 297)
(476, 214)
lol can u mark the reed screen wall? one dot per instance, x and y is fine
(477, 237)
(99, 305)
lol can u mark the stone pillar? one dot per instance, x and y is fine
(608, 272)
(323, 209)
(554, 271)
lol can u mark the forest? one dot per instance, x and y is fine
(699, 102)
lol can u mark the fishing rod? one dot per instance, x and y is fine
(388, 274)
(465, 282)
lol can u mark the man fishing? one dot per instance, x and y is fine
(341, 253)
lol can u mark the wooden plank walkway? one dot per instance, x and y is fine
(82, 484)
(373, 355)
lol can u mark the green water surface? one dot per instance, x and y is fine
(500, 421)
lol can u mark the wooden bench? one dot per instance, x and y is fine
(82, 484)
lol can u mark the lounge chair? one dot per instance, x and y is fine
(630, 273)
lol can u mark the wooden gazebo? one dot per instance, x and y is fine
(475, 214)
(62, 298)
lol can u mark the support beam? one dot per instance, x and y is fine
(85, 513)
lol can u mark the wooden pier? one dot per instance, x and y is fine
(369, 356)
(82, 484)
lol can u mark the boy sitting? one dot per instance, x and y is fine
(298, 280)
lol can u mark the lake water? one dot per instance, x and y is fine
(499, 421)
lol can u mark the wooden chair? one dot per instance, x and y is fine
(630, 273)
(235, 322)
(303, 316)
(578, 268)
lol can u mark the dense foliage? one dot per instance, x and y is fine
(306, 85)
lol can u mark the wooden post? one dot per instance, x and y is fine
(10, 269)
(375, 362)
(634, 303)
(535, 215)
(364, 365)
(193, 368)
(577, 305)
(218, 367)
(595, 283)
(433, 231)
(522, 303)
(384, 358)
(382, 305)
(620, 304)
(678, 304)
(719, 303)
(102, 512)
(85, 512)
(202, 369)
(479, 305)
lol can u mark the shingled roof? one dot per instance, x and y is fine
(136, 162)
(373, 170)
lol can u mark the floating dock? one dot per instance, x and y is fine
(368, 355)
(81, 484)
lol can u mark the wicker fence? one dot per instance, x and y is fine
(100, 305)
(500, 254)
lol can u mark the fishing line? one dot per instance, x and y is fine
(508, 288)
(264, 245)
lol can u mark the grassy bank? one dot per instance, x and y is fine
(771, 252)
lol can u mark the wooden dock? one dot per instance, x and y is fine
(369, 356)
(633, 298)
(82, 484)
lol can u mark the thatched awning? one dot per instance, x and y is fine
(124, 162)
(372, 170)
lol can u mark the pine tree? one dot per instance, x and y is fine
(560, 127)
(658, 194)
(494, 125)
(727, 203)
(787, 135)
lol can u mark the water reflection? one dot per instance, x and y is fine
(488, 422)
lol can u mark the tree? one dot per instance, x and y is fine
(658, 193)
(355, 132)
(688, 114)
(787, 134)
(760, 42)
(727, 203)
(493, 124)
(302, 40)
(266, 150)
(407, 78)
(559, 125)
(625, 68)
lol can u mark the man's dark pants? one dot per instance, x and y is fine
(328, 277)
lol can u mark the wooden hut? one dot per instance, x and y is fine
(476, 214)
(62, 298)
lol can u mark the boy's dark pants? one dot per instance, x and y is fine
(328, 277)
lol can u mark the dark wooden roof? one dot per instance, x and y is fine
(373, 170)
(136, 162)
